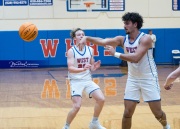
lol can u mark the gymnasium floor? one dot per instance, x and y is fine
(40, 99)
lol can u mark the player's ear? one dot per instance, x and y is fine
(135, 24)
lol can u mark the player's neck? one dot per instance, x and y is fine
(134, 35)
(77, 47)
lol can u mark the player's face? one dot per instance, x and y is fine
(150, 32)
(79, 35)
(129, 27)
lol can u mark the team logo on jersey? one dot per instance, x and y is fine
(82, 60)
(131, 49)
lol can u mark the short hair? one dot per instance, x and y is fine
(133, 17)
(150, 30)
(73, 32)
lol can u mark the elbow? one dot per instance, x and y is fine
(70, 69)
(135, 60)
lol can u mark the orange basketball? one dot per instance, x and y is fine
(28, 31)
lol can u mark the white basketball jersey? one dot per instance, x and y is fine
(81, 58)
(146, 67)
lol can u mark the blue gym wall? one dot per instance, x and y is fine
(16, 53)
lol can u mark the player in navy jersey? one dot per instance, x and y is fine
(142, 72)
(80, 65)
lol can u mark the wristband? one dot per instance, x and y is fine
(117, 54)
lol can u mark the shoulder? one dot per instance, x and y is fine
(146, 39)
(119, 38)
(70, 49)
(70, 52)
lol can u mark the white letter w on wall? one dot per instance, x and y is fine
(49, 47)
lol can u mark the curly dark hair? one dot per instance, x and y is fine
(73, 32)
(133, 17)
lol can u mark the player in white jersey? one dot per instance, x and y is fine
(142, 72)
(80, 65)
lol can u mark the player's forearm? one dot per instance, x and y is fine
(73, 69)
(172, 76)
(97, 41)
(169, 81)
(93, 68)
(175, 74)
(128, 57)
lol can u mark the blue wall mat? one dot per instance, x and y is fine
(13, 48)
(172, 41)
(160, 49)
(60, 58)
(33, 50)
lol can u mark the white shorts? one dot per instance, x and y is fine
(148, 88)
(78, 86)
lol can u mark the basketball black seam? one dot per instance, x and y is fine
(27, 37)
(26, 27)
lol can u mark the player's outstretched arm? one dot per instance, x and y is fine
(116, 41)
(145, 44)
(171, 78)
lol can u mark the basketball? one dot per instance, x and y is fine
(28, 31)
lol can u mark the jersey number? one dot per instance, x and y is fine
(81, 65)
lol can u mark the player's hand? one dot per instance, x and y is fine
(111, 49)
(87, 66)
(96, 65)
(168, 87)
(82, 43)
